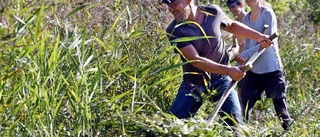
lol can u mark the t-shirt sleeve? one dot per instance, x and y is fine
(270, 19)
(225, 20)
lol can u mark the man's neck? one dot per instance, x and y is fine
(193, 14)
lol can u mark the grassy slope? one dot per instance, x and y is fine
(72, 68)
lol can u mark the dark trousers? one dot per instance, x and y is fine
(273, 85)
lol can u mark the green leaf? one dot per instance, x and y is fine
(169, 67)
(135, 34)
(117, 97)
(39, 21)
(185, 39)
(76, 10)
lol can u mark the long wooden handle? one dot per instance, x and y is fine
(274, 35)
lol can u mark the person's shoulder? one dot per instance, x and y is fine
(246, 19)
(268, 11)
(171, 26)
(211, 8)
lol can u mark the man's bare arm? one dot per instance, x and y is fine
(240, 29)
(205, 64)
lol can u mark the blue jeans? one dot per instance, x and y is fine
(185, 106)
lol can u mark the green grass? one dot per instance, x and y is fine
(106, 68)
